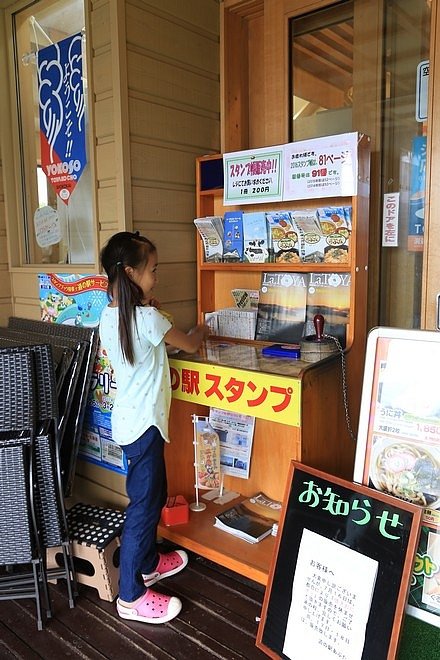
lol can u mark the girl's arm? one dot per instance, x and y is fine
(190, 341)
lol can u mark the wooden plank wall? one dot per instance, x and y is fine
(154, 105)
(5, 281)
(156, 87)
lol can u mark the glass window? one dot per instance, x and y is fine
(404, 126)
(347, 70)
(322, 72)
(56, 183)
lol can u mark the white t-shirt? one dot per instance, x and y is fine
(143, 390)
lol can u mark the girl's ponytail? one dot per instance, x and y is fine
(123, 250)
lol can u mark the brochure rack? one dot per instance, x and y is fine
(319, 437)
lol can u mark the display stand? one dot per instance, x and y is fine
(313, 428)
(197, 505)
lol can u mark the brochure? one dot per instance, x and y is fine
(282, 307)
(245, 521)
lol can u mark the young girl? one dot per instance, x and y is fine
(134, 334)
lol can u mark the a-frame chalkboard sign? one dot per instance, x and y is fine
(340, 573)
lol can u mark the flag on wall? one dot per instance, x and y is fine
(62, 114)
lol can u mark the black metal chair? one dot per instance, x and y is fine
(49, 498)
(88, 339)
(68, 355)
(20, 545)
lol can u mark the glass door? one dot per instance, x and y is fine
(363, 65)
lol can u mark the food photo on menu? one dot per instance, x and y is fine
(405, 454)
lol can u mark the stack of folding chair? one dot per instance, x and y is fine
(72, 398)
(44, 495)
(20, 546)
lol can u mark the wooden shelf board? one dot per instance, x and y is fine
(300, 267)
(200, 536)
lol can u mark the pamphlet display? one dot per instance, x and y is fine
(329, 294)
(311, 235)
(279, 392)
(341, 570)
(398, 447)
(282, 306)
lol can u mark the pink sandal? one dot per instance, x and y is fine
(169, 564)
(152, 608)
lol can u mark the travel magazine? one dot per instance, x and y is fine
(252, 519)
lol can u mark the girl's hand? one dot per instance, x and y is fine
(153, 302)
(201, 328)
(189, 341)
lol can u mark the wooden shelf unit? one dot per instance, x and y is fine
(322, 439)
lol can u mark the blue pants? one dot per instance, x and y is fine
(146, 486)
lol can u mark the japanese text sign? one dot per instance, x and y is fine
(347, 547)
(253, 176)
(322, 167)
(307, 169)
(266, 396)
(62, 114)
(390, 220)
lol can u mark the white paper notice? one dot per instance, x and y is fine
(331, 598)
(47, 226)
(321, 167)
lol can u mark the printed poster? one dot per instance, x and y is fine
(253, 176)
(321, 167)
(236, 434)
(416, 221)
(62, 114)
(79, 300)
(402, 451)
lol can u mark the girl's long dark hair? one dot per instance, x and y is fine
(125, 249)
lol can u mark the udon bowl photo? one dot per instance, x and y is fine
(407, 470)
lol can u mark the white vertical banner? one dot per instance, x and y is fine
(390, 220)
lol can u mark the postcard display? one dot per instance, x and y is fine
(298, 406)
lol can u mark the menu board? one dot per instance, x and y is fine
(340, 575)
(398, 448)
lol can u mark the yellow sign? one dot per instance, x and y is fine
(266, 396)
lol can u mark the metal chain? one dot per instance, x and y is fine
(344, 385)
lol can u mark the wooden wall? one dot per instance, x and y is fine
(155, 91)
(156, 86)
(5, 280)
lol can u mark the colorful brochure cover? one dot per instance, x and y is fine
(282, 307)
(329, 294)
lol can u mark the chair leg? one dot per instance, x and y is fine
(37, 578)
(45, 587)
(72, 587)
